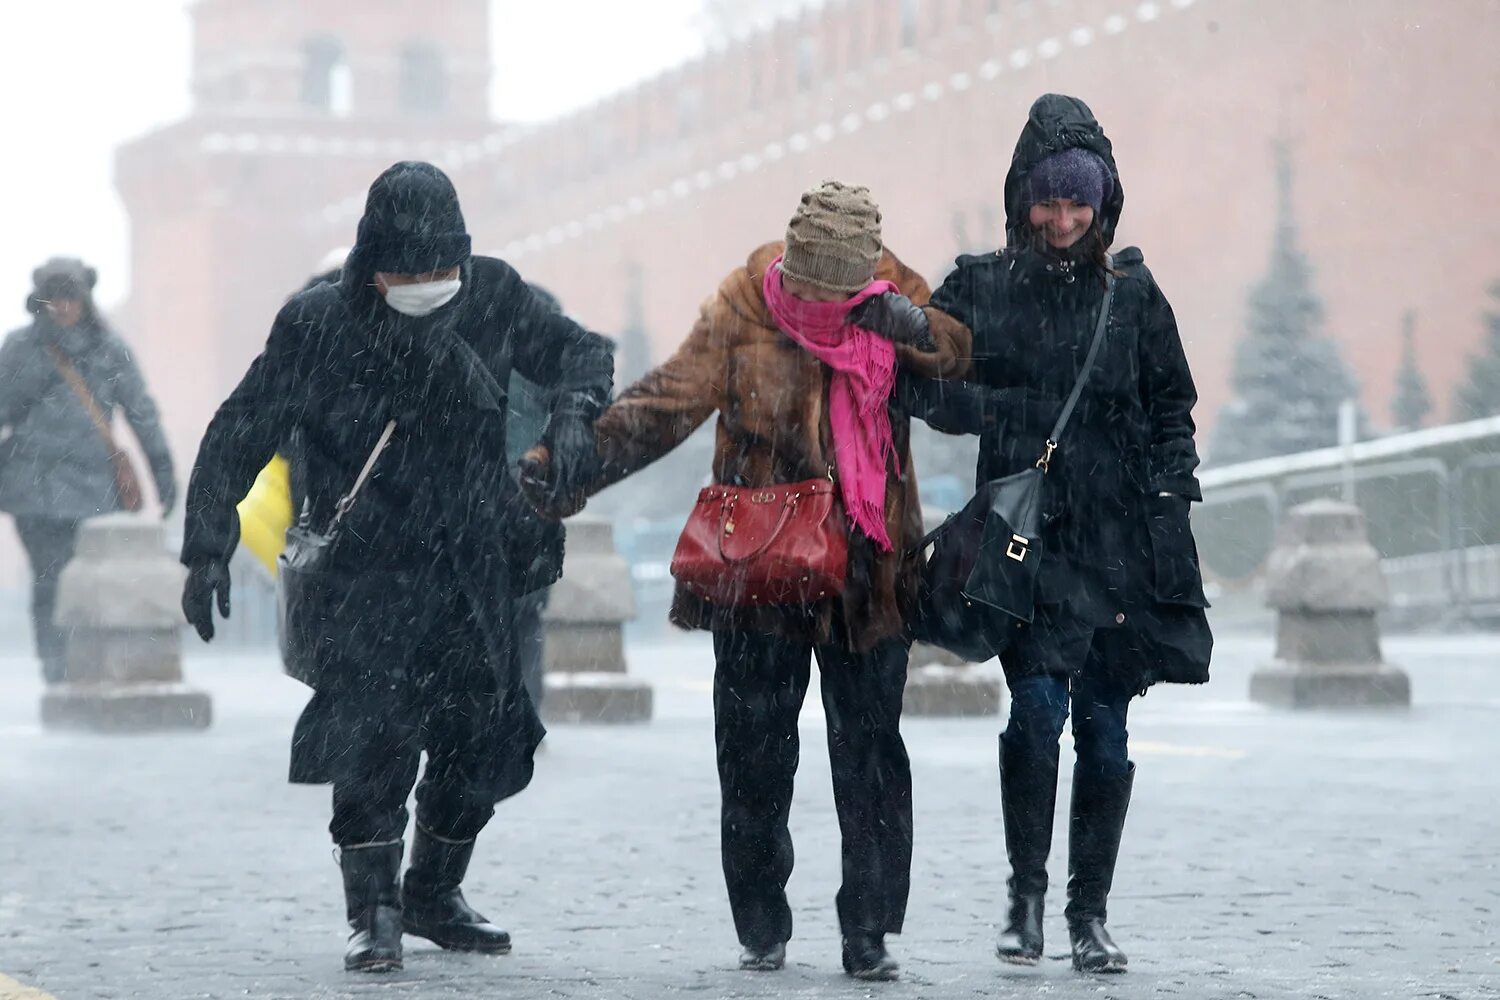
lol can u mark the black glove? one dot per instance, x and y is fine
(206, 581)
(896, 318)
(569, 438)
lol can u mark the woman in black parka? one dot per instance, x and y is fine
(420, 653)
(1120, 599)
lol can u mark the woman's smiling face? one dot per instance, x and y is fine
(1062, 221)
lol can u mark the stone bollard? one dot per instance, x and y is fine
(1325, 582)
(584, 652)
(120, 602)
(939, 684)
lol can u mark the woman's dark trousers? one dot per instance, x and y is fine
(49, 545)
(759, 685)
(1054, 671)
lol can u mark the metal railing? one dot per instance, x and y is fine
(1433, 514)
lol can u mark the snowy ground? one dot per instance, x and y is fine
(1268, 854)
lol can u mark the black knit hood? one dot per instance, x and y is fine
(412, 224)
(1058, 122)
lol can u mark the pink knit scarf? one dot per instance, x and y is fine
(864, 377)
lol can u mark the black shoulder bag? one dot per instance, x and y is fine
(984, 558)
(306, 589)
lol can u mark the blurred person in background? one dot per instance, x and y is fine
(528, 415)
(1119, 603)
(61, 379)
(413, 346)
(797, 353)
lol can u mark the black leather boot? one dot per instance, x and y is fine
(1028, 800)
(865, 958)
(434, 907)
(1095, 825)
(373, 906)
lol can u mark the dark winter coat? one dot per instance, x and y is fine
(771, 397)
(1115, 550)
(435, 531)
(55, 464)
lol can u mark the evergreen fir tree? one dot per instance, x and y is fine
(1412, 403)
(1289, 379)
(1479, 395)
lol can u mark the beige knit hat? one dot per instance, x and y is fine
(833, 241)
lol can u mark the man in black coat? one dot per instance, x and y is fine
(419, 652)
(56, 467)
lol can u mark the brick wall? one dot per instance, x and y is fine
(1385, 102)
(1389, 105)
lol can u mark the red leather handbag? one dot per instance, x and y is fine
(746, 546)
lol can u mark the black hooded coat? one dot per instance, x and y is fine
(1116, 552)
(431, 543)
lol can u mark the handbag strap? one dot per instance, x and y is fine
(80, 389)
(347, 501)
(726, 521)
(1045, 461)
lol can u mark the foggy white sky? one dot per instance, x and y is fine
(79, 76)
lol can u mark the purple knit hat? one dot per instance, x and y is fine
(1075, 174)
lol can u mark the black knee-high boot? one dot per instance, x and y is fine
(1028, 799)
(373, 903)
(1095, 825)
(433, 906)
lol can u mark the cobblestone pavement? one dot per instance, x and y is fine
(1268, 854)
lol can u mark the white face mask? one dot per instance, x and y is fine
(423, 298)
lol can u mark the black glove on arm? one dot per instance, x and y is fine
(575, 453)
(896, 318)
(561, 483)
(206, 581)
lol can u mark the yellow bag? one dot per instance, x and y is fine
(266, 513)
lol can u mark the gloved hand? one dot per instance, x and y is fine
(569, 438)
(896, 318)
(206, 581)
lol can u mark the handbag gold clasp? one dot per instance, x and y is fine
(1017, 549)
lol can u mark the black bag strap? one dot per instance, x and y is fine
(1083, 376)
(347, 501)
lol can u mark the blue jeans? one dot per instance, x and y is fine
(1040, 704)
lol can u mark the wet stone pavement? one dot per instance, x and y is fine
(1268, 854)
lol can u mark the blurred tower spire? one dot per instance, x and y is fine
(633, 356)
